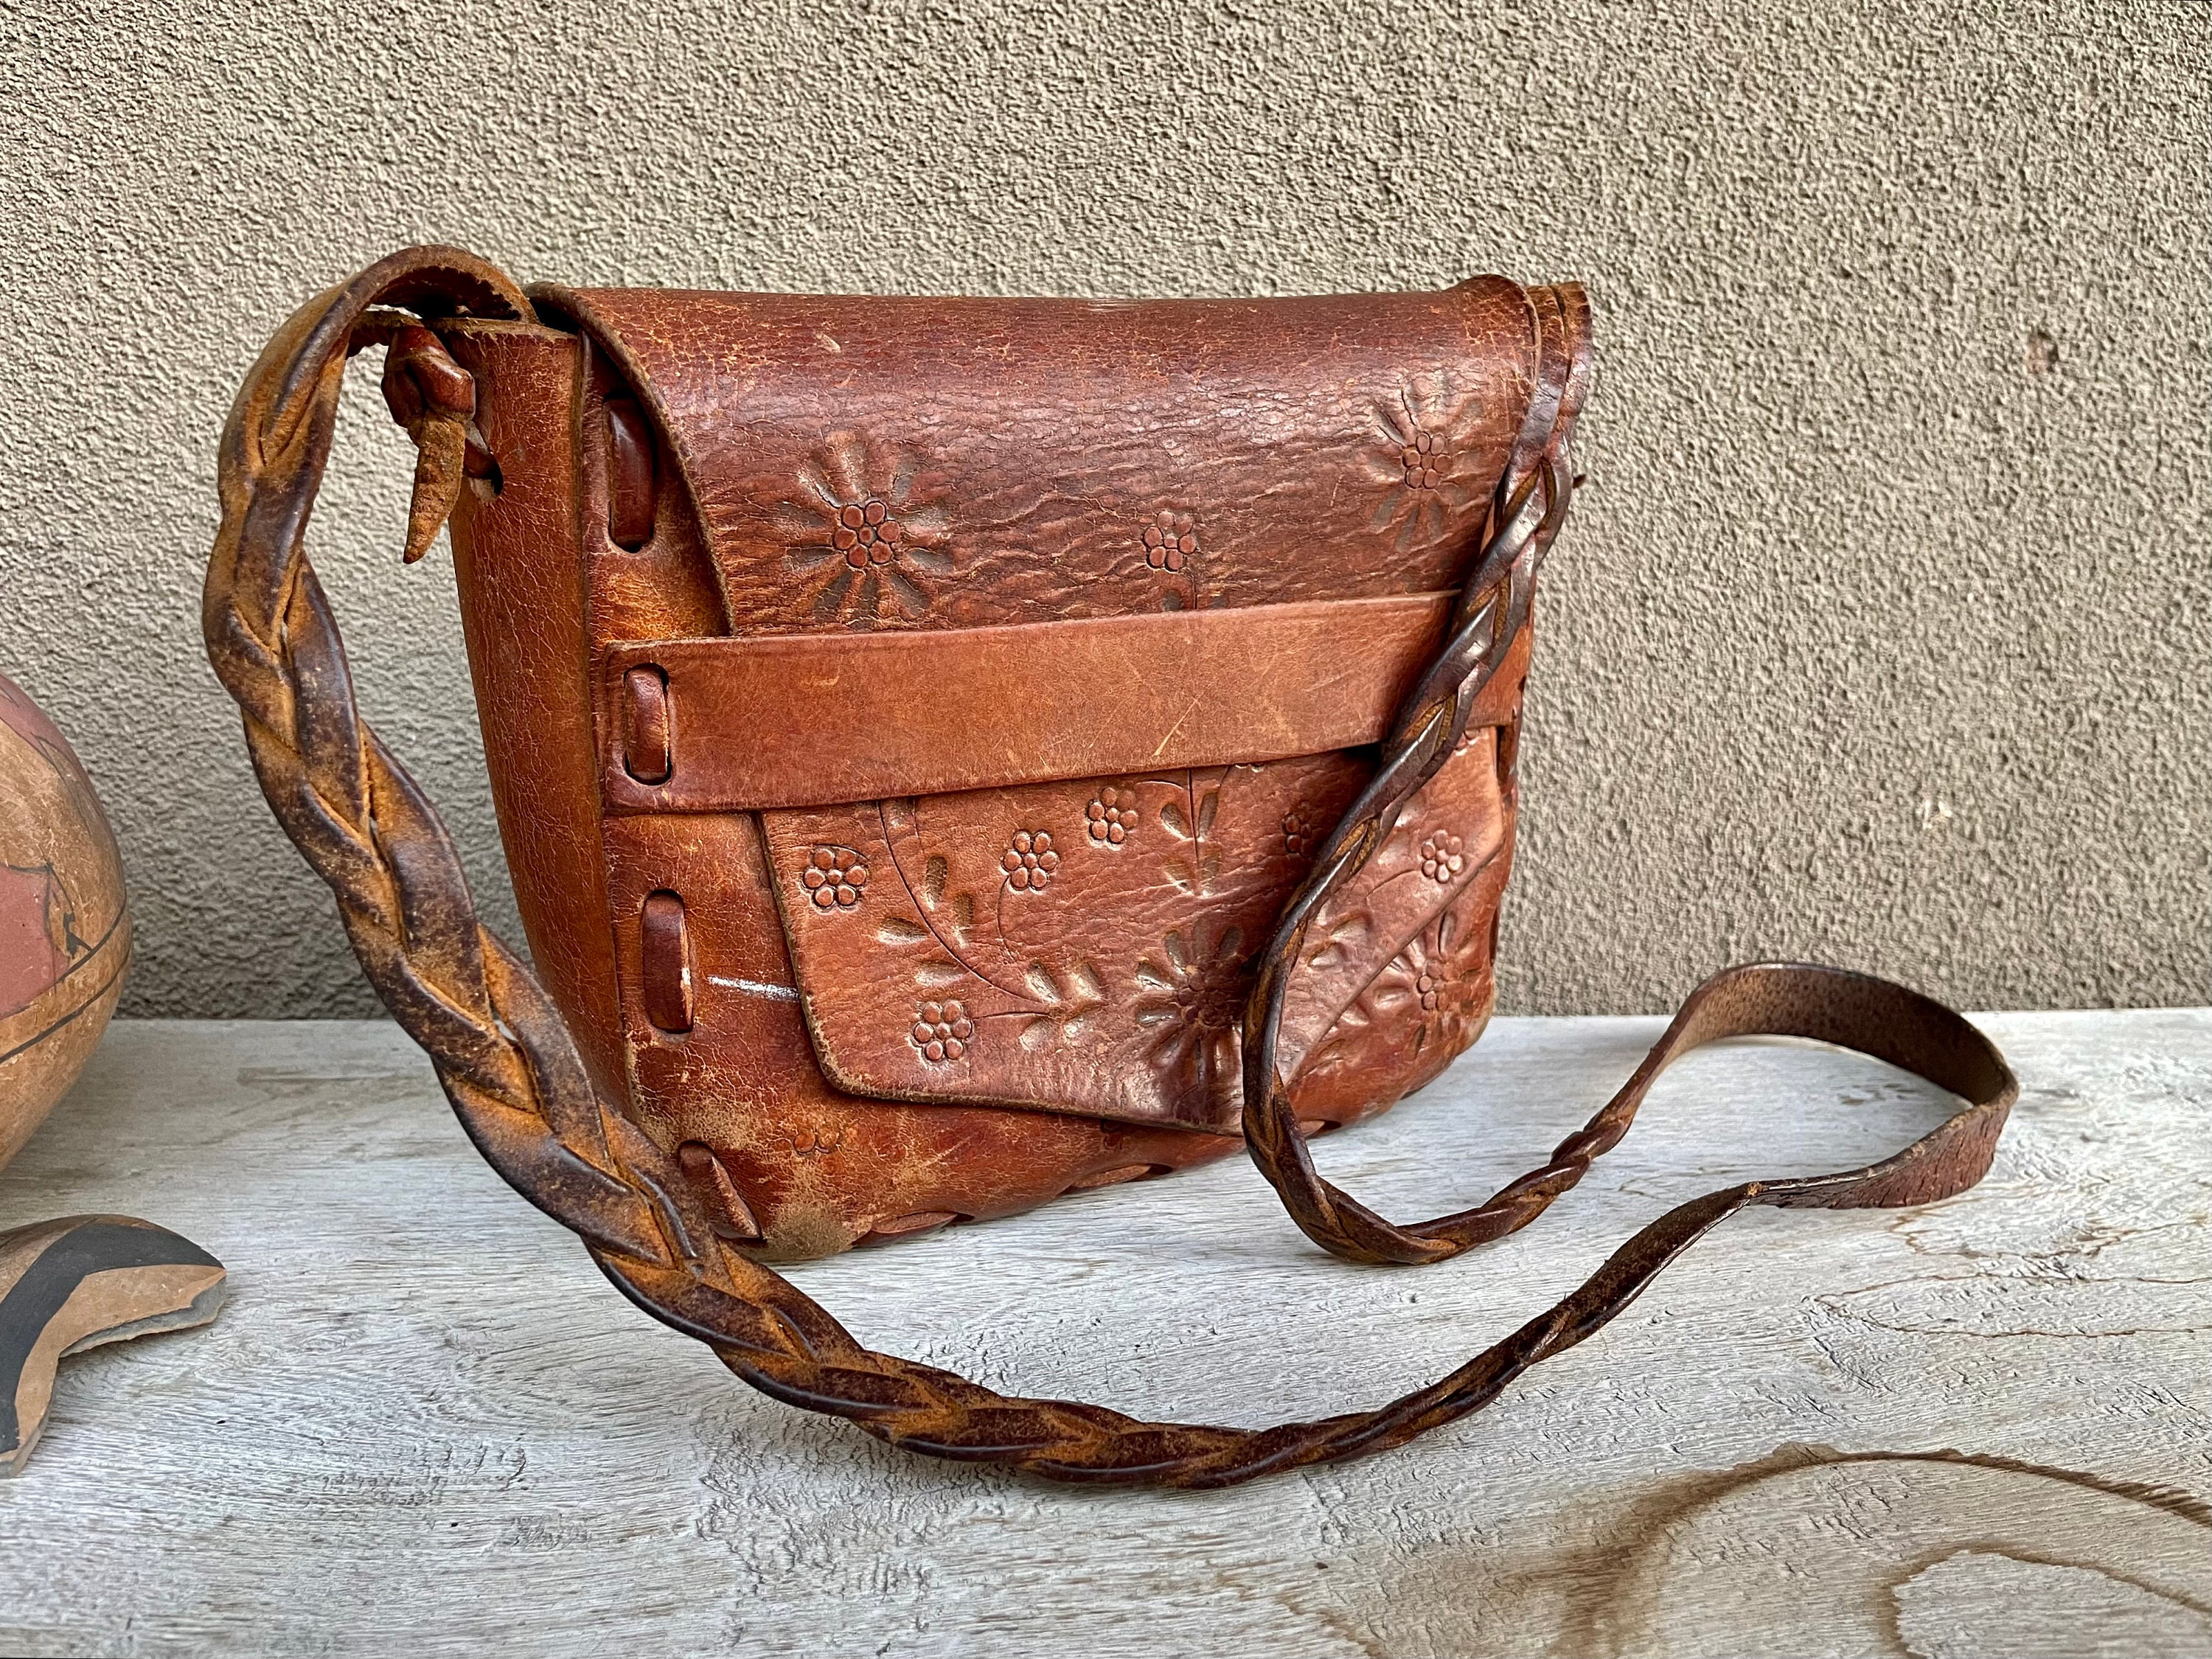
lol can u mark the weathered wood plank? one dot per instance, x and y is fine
(425, 1425)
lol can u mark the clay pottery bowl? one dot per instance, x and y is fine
(64, 927)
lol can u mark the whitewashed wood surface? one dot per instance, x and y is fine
(426, 1425)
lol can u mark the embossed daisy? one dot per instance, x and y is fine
(941, 1031)
(1191, 998)
(1423, 457)
(863, 533)
(1029, 862)
(1435, 979)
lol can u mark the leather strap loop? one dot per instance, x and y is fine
(1194, 688)
(512, 1075)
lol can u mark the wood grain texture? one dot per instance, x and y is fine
(1976, 1426)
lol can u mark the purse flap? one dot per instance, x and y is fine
(1026, 825)
(956, 463)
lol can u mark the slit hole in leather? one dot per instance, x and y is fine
(481, 467)
(664, 947)
(632, 487)
(648, 740)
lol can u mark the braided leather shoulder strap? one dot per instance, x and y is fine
(514, 1076)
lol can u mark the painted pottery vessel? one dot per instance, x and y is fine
(64, 924)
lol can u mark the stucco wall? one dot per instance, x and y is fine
(1881, 631)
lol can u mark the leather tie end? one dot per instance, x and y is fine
(440, 470)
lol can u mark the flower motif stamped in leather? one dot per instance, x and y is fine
(1096, 936)
(861, 538)
(1192, 1000)
(834, 878)
(1428, 1006)
(1427, 456)
(1065, 460)
(1453, 838)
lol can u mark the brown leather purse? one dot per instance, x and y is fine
(953, 752)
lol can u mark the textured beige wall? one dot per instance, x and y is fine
(1880, 634)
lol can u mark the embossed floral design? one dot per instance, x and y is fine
(1171, 542)
(1299, 830)
(1443, 857)
(1437, 981)
(1425, 461)
(1030, 862)
(1192, 999)
(864, 530)
(834, 876)
(1425, 1007)
(1111, 817)
(941, 1030)
(1424, 452)
(865, 533)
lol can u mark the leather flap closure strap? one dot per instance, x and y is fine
(859, 717)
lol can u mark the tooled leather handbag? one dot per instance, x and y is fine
(954, 752)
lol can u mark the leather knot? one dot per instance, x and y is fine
(435, 400)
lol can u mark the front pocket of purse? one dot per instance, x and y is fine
(1087, 945)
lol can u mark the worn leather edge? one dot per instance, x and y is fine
(525, 615)
(575, 305)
